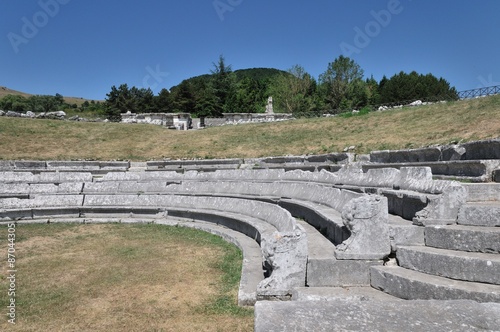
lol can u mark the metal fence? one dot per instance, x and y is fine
(480, 92)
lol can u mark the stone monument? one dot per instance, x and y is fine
(269, 106)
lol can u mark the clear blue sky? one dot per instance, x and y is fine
(82, 47)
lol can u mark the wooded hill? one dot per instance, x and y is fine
(341, 88)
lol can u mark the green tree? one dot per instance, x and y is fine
(223, 86)
(251, 96)
(43, 103)
(294, 92)
(14, 103)
(183, 98)
(373, 93)
(59, 99)
(164, 102)
(206, 103)
(405, 87)
(342, 86)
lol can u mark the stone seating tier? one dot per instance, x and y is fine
(276, 229)
(444, 262)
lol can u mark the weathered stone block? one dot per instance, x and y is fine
(464, 238)
(488, 149)
(367, 220)
(413, 285)
(331, 272)
(286, 254)
(30, 164)
(348, 315)
(453, 152)
(405, 156)
(467, 266)
(480, 214)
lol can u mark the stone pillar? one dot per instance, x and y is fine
(269, 107)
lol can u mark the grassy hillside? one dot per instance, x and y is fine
(4, 91)
(394, 129)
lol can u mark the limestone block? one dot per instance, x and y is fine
(286, 254)
(478, 192)
(412, 178)
(367, 219)
(13, 177)
(142, 187)
(64, 188)
(101, 187)
(61, 177)
(402, 156)
(80, 165)
(332, 272)
(459, 265)
(488, 149)
(453, 152)
(7, 165)
(383, 177)
(349, 315)
(464, 238)
(14, 188)
(480, 214)
(331, 157)
(30, 164)
(42, 201)
(443, 208)
(412, 285)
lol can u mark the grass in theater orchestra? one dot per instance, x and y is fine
(116, 277)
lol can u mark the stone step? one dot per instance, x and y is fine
(464, 238)
(478, 192)
(480, 214)
(138, 167)
(387, 316)
(413, 285)
(459, 265)
(324, 270)
(345, 293)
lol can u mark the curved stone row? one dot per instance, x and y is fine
(318, 203)
(412, 184)
(283, 241)
(343, 206)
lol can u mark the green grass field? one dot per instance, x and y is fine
(119, 277)
(394, 129)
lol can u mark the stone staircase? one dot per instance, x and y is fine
(458, 261)
(449, 283)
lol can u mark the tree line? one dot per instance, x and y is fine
(342, 87)
(46, 103)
